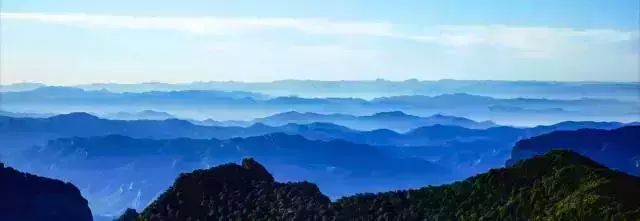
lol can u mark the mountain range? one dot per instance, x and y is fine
(83, 148)
(204, 104)
(394, 120)
(378, 88)
(487, 148)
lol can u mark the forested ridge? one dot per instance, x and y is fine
(560, 185)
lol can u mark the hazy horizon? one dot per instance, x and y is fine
(301, 80)
(77, 42)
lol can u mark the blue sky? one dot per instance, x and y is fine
(73, 42)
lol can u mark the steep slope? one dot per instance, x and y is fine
(618, 148)
(560, 185)
(234, 192)
(26, 197)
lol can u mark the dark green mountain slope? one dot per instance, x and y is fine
(560, 185)
(233, 192)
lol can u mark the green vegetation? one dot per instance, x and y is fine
(560, 185)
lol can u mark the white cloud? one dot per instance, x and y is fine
(526, 41)
(207, 24)
(467, 51)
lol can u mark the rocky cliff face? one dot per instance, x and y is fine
(26, 197)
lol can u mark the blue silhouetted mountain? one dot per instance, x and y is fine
(394, 120)
(378, 88)
(576, 125)
(71, 95)
(83, 124)
(29, 131)
(482, 146)
(560, 185)
(26, 197)
(618, 148)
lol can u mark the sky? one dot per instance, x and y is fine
(66, 42)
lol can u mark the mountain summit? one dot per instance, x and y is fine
(238, 192)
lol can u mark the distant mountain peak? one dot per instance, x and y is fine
(558, 158)
(75, 115)
(289, 112)
(292, 114)
(258, 125)
(459, 96)
(57, 89)
(392, 114)
(443, 116)
(152, 112)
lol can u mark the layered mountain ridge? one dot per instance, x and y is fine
(186, 103)
(83, 148)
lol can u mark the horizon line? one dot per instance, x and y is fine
(312, 80)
